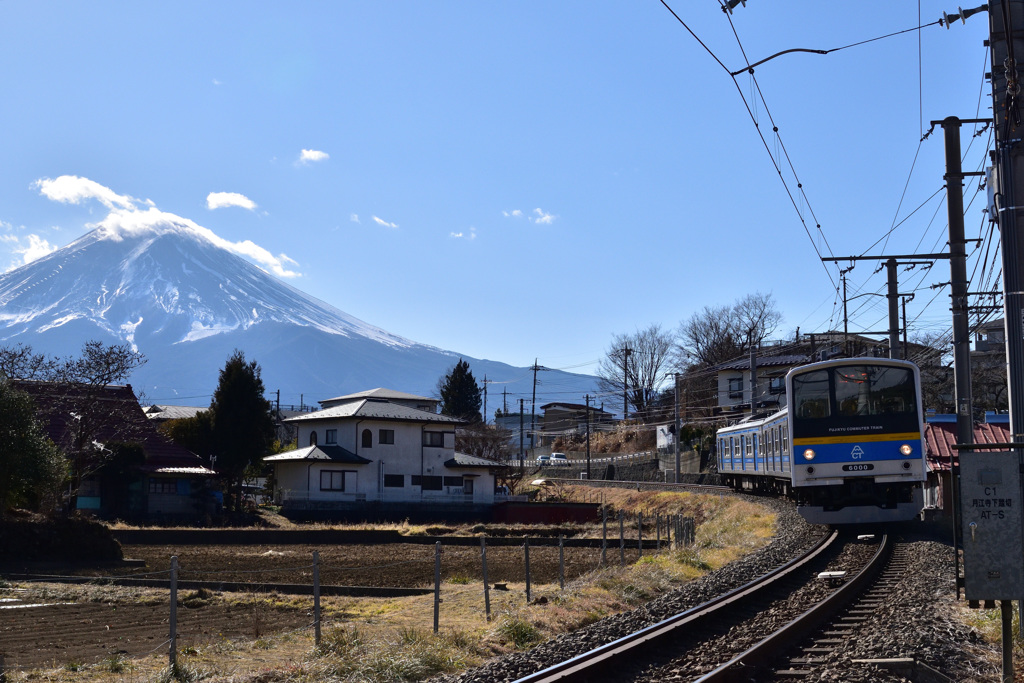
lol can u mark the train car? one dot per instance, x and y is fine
(848, 448)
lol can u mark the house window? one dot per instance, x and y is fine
(777, 385)
(163, 486)
(735, 387)
(394, 481)
(433, 439)
(331, 436)
(312, 438)
(386, 436)
(428, 483)
(467, 486)
(453, 481)
(332, 480)
(367, 438)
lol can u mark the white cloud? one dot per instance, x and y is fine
(217, 81)
(36, 248)
(311, 155)
(129, 217)
(354, 217)
(220, 200)
(461, 235)
(545, 218)
(515, 213)
(70, 189)
(381, 221)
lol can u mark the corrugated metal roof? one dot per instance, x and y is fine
(378, 410)
(939, 438)
(321, 453)
(764, 362)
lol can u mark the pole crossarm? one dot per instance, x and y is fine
(897, 257)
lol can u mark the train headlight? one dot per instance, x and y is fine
(906, 449)
(809, 454)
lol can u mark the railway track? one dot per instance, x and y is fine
(739, 635)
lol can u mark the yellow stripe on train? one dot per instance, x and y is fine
(858, 438)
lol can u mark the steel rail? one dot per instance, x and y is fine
(763, 653)
(590, 665)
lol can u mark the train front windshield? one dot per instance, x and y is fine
(856, 399)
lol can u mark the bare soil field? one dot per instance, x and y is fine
(393, 565)
(125, 624)
(65, 634)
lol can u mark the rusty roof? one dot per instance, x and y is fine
(939, 438)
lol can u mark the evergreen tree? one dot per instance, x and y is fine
(30, 464)
(243, 429)
(460, 395)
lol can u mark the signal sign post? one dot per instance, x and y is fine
(992, 523)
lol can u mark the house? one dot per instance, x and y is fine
(734, 382)
(561, 419)
(988, 366)
(88, 423)
(378, 452)
(939, 438)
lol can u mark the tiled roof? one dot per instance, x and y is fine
(466, 460)
(116, 416)
(386, 394)
(375, 409)
(322, 453)
(939, 438)
(172, 412)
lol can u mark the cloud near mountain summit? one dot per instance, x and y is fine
(130, 216)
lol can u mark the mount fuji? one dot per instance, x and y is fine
(187, 303)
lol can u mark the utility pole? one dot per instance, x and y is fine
(893, 295)
(675, 422)
(626, 351)
(1005, 22)
(588, 437)
(485, 399)
(533, 406)
(520, 435)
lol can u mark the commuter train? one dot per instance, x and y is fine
(848, 447)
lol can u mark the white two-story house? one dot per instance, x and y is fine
(378, 446)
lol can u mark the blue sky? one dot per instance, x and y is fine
(512, 180)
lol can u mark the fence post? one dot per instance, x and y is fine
(437, 585)
(487, 587)
(640, 534)
(172, 654)
(604, 536)
(316, 598)
(526, 548)
(622, 539)
(561, 561)
(657, 531)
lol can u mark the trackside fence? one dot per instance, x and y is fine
(640, 533)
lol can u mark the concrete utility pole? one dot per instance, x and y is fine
(1009, 158)
(626, 351)
(675, 422)
(588, 436)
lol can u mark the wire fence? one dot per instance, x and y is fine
(621, 537)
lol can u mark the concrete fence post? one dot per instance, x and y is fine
(172, 653)
(316, 598)
(487, 587)
(561, 561)
(437, 585)
(526, 555)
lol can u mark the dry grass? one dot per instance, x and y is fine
(377, 639)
